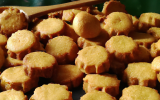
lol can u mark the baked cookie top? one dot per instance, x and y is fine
(13, 95)
(155, 32)
(39, 60)
(97, 95)
(86, 25)
(3, 39)
(52, 92)
(20, 41)
(138, 92)
(155, 64)
(12, 20)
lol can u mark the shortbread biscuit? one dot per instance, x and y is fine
(63, 48)
(140, 73)
(122, 48)
(93, 59)
(148, 20)
(155, 49)
(155, 64)
(39, 64)
(138, 92)
(100, 40)
(68, 75)
(15, 78)
(97, 95)
(11, 62)
(86, 25)
(113, 6)
(13, 95)
(52, 92)
(49, 28)
(135, 22)
(21, 43)
(144, 39)
(155, 32)
(12, 20)
(102, 82)
(118, 23)
(3, 42)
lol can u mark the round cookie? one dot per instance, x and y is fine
(12, 20)
(49, 28)
(148, 20)
(21, 43)
(155, 32)
(3, 42)
(155, 49)
(93, 59)
(138, 92)
(11, 62)
(118, 23)
(140, 73)
(86, 25)
(63, 48)
(142, 38)
(15, 78)
(102, 82)
(113, 6)
(68, 75)
(52, 92)
(13, 95)
(155, 64)
(39, 64)
(97, 95)
(122, 48)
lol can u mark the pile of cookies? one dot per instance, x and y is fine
(116, 56)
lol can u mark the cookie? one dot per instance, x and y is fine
(113, 6)
(12, 20)
(138, 92)
(15, 78)
(155, 32)
(86, 25)
(155, 49)
(122, 48)
(49, 28)
(102, 82)
(63, 48)
(97, 95)
(11, 62)
(68, 75)
(148, 20)
(155, 64)
(93, 59)
(39, 64)
(12, 95)
(118, 23)
(140, 73)
(21, 43)
(52, 92)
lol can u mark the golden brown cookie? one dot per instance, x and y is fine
(147, 20)
(39, 64)
(100, 40)
(52, 92)
(155, 64)
(3, 42)
(97, 95)
(13, 95)
(21, 43)
(143, 39)
(122, 48)
(118, 23)
(140, 73)
(86, 25)
(12, 20)
(68, 75)
(63, 48)
(138, 92)
(155, 32)
(155, 49)
(113, 6)
(15, 78)
(135, 22)
(102, 82)
(49, 28)
(11, 62)
(93, 59)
